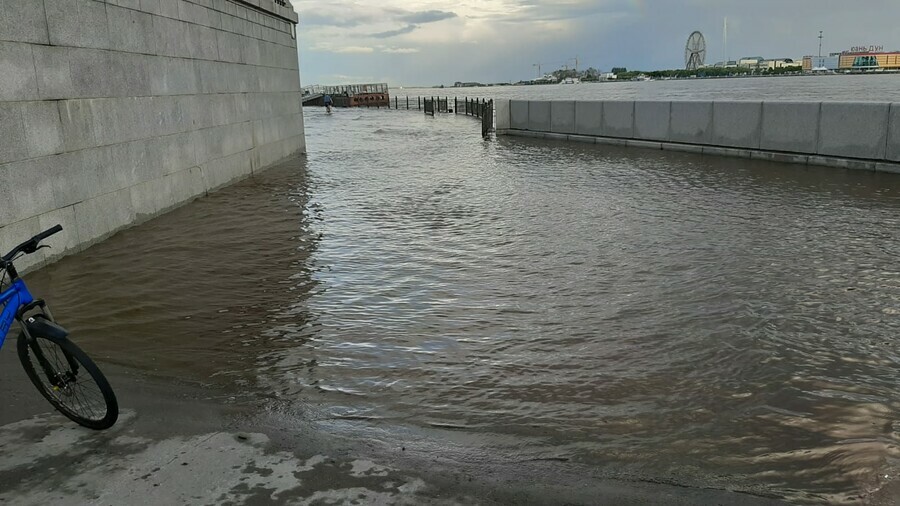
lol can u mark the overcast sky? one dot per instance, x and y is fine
(432, 42)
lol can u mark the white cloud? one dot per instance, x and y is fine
(354, 50)
(401, 50)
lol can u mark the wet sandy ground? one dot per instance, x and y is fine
(177, 443)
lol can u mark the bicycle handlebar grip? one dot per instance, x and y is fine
(47, 233)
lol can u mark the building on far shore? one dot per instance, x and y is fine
(857, 59)
(869, 61)
(751, 61)
(821, 63)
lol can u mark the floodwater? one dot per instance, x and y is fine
(645, 315)
(809, 88)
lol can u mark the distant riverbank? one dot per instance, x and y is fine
(827, 87)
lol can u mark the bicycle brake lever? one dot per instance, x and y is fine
(31, 249)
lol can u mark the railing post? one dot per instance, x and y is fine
(419, 99)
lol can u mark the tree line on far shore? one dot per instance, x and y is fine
(623, 74)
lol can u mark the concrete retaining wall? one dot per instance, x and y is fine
(863, 136)
(113, 111)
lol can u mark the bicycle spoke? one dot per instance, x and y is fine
(77, 392)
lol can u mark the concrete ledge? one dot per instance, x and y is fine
(854, 130)
(539, 116)
(612, 141)
(618, 120)
(790, 126)
(518, 114)
(526, 133)
(631, 143)
(555, 137)
(651, 120)
(691, 122)
(562, 117)
(730, 152)
(893, 138)
(892, 168)
(589, 118)
(850, 136)
(737, 124)
(587, 139)
(841, 163)
(502, 116)
(682, 148)
(780, 157)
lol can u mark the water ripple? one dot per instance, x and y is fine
(707, 321)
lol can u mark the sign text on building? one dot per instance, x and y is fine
(866, 49)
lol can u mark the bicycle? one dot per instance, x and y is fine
(60, 370)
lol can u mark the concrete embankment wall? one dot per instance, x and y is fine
(864, 136)
(114, 111)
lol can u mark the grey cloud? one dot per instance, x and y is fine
(343, 21)
(394, 33)
(414, 20)
(549, 10)
(427, 17)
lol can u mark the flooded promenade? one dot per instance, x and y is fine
(625, 314)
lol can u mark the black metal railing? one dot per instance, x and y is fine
(477, 108)
(487, 118)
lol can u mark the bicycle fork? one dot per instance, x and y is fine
(44, 323)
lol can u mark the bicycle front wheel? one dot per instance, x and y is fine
(70, 380)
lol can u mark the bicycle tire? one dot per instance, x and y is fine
(95, 410)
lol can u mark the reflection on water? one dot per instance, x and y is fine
(190, 293)
(697, 320)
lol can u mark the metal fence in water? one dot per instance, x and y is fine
(477, 108)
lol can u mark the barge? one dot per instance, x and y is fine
(349, 95)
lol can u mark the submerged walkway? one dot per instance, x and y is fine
(185, 442)
(501, 321)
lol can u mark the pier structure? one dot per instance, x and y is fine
(349, 95)
(114, 111)
(858, 135)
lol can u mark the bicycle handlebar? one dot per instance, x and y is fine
(31, 245)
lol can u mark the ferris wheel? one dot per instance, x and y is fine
(695, 51)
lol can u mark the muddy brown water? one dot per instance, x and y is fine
(668, 317)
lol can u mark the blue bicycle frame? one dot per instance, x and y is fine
(16, 296)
